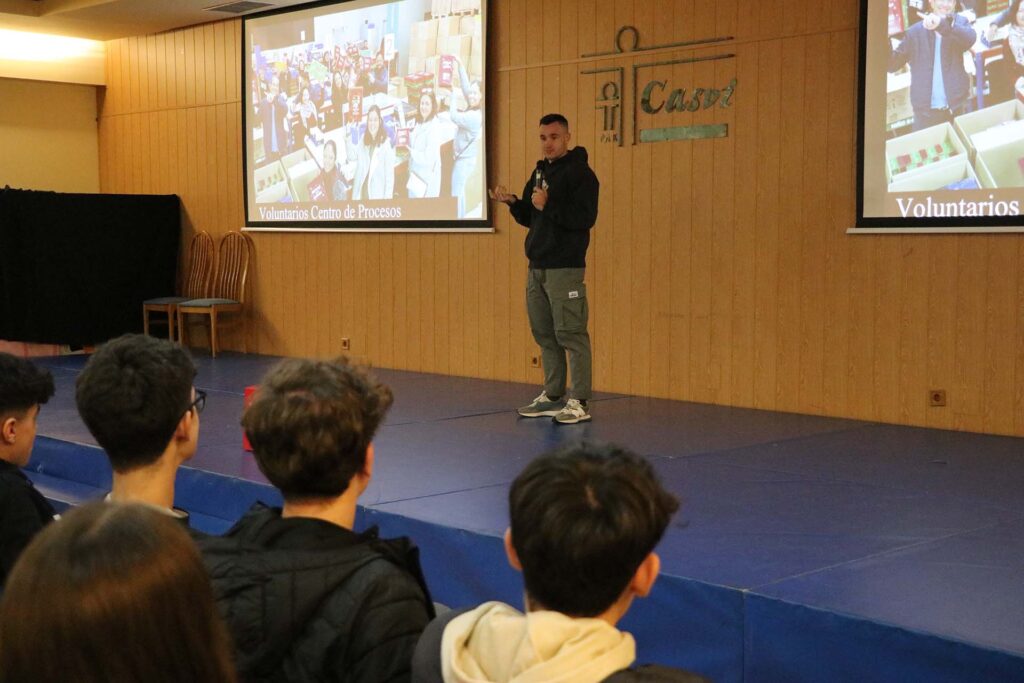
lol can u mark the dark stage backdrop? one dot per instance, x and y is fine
(75, 268)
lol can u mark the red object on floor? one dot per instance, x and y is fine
(250, 394)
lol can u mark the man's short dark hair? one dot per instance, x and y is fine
(132, 394)
(312, 423)
(548, 119)
(584, 517)
(23, 384)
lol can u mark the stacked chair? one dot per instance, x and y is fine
(227, 294)
(195, 282)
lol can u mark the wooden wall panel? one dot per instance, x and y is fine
(719, 270)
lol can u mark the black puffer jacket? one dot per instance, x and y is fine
(560, 234)
(307, 600)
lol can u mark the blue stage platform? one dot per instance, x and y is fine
(807, 548)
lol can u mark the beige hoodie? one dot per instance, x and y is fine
(498, 644)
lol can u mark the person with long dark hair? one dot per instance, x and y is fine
(331, 182)
(112, 592)
(339, 96)
(375, 160)
(308, 117)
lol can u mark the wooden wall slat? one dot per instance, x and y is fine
(766, 268)
(811, 349)
(720, 270)
(722, 240)
(743, 288)
(791, 174)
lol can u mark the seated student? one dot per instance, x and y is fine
(136, 397)
(112, 593)
(307, 598)
(23, 510)
(584, 523)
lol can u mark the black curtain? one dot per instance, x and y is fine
(75, 268)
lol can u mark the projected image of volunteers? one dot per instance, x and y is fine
(375, 160)
(466, 146)
(273, 113)
(425, 150)
(934, 47)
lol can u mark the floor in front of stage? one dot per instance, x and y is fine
(807, 548)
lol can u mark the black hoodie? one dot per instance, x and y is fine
(560, 234)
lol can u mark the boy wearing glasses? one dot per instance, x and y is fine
(137, 399)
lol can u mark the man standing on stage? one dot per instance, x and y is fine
(560, 212)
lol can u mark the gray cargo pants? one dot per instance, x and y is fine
(556, 303)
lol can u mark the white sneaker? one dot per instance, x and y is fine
(541, 406)
(573, 412)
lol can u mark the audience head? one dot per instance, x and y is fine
(112, 593)
(584, 523)
(136, 397)
(311, 426)
(23, 388)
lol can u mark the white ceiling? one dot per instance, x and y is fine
(109, 19)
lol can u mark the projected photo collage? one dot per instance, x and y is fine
(953, 111)
(367, 113)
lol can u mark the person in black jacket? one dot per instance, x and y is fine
(23, 510)
(560, 213)
(305, 597)
(584, 522)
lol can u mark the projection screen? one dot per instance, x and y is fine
(941, 135)
(366, 115)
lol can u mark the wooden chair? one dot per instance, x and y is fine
(196, 280)
(228, 292)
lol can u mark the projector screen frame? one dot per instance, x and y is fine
(484, 224)
(909, 225)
